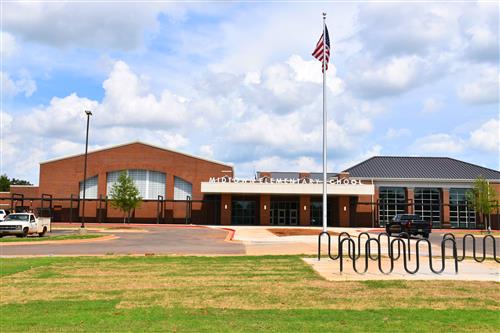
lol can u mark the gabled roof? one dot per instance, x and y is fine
(141, 143)
(400, 167)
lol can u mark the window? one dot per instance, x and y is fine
(90, 188)
(150, 183)
(182, 189)
(244, 211)
(392, 201)
(428, 205)
(461, 215)
(156, 184)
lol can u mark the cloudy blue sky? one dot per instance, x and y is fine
(236, 82)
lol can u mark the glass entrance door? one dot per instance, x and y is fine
(293, 217)
(284, 211)
(282, 216)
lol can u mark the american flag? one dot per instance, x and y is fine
(318, 51)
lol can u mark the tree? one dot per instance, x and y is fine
(5, 183)
(125, 196)
(483, 199)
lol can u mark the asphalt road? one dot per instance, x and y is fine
(436, 237)
(158, 240)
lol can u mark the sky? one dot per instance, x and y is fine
(236, 82)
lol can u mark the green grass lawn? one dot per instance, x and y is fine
(228, 294)
(48, 238)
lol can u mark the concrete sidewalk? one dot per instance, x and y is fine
(260, 241)
(468, 270)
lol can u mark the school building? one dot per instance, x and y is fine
(182, 188)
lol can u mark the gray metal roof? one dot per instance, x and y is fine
(398, 167)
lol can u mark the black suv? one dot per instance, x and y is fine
(412, 224)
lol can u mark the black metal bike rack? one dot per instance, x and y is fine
(397, 248)
(474, 256)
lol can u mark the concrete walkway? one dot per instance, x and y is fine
(260, 241)
(468, 270)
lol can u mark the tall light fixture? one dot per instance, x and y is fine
(88, 113)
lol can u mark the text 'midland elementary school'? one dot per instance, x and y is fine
(182, 188)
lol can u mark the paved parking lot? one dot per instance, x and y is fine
(156, 240)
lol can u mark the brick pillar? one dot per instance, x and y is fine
(225, 209)
(375, 212)
(169, 192)
(265, 209)
(410, 198)
(102, 184)
(305, 216)
(445, 210)
(344, 214)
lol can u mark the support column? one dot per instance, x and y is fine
(375, 208)
(304, 206)
(102, 184)
(344, 211)
(265, 209)
(410, 199)
(169, 191)
(445, 210)
(225, 209)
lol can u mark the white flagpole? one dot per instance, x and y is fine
(324, 127)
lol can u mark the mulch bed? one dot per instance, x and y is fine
(283, 232)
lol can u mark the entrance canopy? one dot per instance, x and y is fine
(286, 188)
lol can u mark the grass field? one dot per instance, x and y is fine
(228, 294)
(48, 238)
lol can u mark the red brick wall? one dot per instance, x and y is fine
(225, 209)
(265, 214)
(305, 217)
(28, 191)
(61, 178)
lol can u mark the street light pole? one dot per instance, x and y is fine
(88, 113)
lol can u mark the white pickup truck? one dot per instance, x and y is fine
(24, 224)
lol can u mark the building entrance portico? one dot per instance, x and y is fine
(284, 210)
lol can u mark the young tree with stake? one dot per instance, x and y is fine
(482, 199)
(125, 196)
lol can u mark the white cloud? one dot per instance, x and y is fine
(439, 144)
(393, 133)
(484, 90)
(9, 46)
(393, 77)
(487, 137)
(129, 102)
(256, 119)
(482, 44)
(23, 83)
(63, 118)
(431, 105)
(207, 151)
(388, 29)
(278, 163)
(64, 24)
(309, 71)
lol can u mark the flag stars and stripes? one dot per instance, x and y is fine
(320, 50)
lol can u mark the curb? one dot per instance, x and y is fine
(66, 241)
(230, 234)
